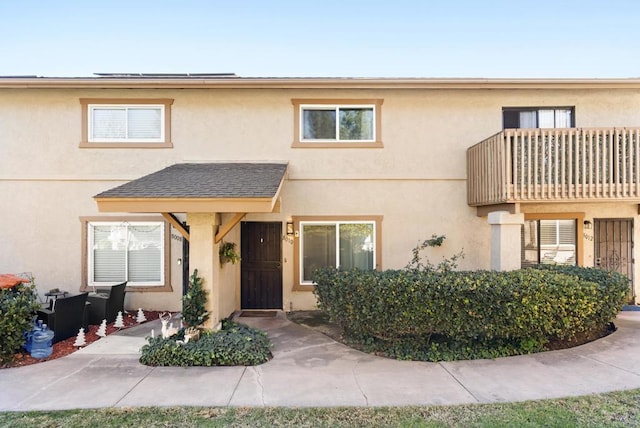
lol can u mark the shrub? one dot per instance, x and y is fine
(234, 345)
(17, 308)
(446, 264)
(478, 313)
(194, 302)
(614, 287)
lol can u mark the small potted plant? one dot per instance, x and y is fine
(228, 253)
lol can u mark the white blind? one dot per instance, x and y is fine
(566, 232)
(109, 254)
(528, 119)
(126, 123)
(557, 232)
(563, 118)
(109, 123)
(548, 233)
(145, 253)
(558, 118)
(132, 252)
(144, 123)
(558, 241)
(546, 119)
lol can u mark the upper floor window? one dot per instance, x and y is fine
(126, 123)
(534, 117)
(337, 123)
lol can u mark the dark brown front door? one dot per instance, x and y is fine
(261, 277)
(613, 245)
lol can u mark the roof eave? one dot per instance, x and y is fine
(189, 205)
(312, 83)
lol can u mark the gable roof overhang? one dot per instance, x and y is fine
(200, 188)
(236, 82)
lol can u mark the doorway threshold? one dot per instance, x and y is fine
(258, 314)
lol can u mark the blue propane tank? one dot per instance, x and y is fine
(41, 342)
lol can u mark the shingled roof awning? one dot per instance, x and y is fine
(199, 188)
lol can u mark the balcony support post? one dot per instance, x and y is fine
(505, 240)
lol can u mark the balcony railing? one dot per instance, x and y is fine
(563, 165)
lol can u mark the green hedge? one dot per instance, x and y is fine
(234, 345)
(617, 284)
(18, 306)
(476, 313)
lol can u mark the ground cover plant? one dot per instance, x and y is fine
(617, 409)
(234, 345)
(433, 315)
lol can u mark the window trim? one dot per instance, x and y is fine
(84, 241)
(537, 110)
(298, 285)
(300, 103)
(577, 216)
(88, 103)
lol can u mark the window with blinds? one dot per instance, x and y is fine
(132, 252)
(533, 117)
(549, 242)
(123, 123)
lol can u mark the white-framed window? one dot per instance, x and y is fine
(126, 251)
(342, 123)
(337, 123)
(340, 244)
(126, 123)
(549, 241)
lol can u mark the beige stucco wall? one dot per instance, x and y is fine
(230, 275)
(416, 181)
(412, 211)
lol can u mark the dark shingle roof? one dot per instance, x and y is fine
(205, 180)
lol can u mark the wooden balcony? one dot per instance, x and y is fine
(555, 165)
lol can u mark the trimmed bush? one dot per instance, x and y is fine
(616, 286)
(234, 345)
(483, 313)
(18, 306)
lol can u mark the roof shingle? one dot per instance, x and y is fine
(205, 180)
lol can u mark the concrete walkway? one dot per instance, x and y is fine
(310, 369)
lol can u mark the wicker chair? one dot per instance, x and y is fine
(106, 303)
(68, 315)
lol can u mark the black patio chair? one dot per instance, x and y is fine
(67, 316)
(106, 303)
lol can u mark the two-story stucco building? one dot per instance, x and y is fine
(135, 177)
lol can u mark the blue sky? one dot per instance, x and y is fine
(328, 38)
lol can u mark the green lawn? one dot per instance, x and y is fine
(618, 409)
